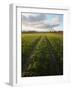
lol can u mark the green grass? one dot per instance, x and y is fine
(42, 54)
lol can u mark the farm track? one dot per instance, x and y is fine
(31, 54)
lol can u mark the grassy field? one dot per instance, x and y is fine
(42, 54)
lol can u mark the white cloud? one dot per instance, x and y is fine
(33, 28)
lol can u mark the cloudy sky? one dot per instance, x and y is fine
(42, 22)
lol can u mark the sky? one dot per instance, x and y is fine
(42, 22)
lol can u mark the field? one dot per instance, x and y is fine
(42, 54)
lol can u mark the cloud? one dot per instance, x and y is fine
(40, 21)
(33, 18)
(54, 22)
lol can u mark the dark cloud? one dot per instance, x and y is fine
(39, 17)
(33, 19)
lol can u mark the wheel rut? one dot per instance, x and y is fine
(31, 55)
(53, 59)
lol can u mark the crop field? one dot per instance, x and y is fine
(42, 54)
